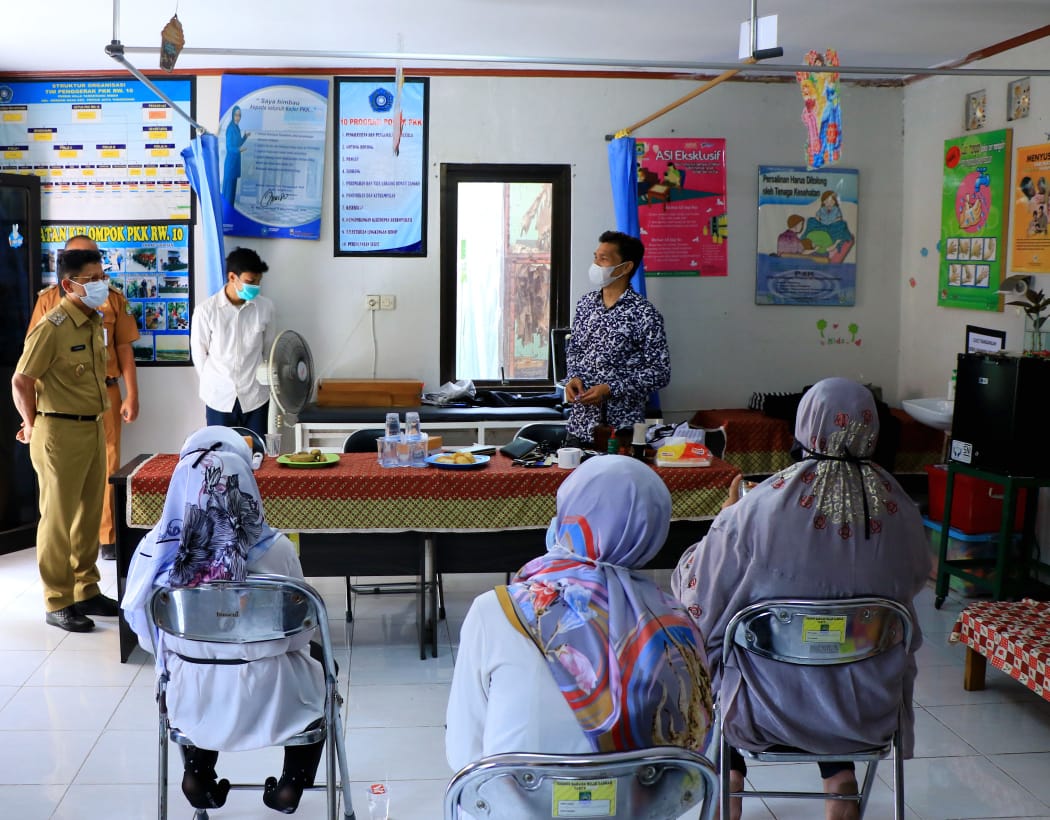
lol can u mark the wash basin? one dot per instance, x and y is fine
(936, 413)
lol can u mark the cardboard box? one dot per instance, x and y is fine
(977, 505)
(369, 392)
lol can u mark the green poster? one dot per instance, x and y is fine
(974, 214)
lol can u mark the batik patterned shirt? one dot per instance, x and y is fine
(625, 347)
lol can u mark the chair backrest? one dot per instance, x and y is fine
(819, 632)
(661, 783)
(362, 441)
(546, 433)
(260, 608)
(715, 440)
(258, 445)
(559, 340)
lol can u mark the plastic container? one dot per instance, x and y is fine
(393, 425)
(977, 505)
(963, 546)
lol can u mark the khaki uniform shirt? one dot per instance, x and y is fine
(117, 319)
(66, 355)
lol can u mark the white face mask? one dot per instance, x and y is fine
(602, 276)
(96, 293)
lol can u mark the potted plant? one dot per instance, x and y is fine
(1035, 306)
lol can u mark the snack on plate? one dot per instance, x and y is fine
(456, 458)
(313, 456)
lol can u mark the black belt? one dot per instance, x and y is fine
(112, 380)
(70, 416)
(214, 661)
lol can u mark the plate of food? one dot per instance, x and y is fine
(457, 461)
(309, 460)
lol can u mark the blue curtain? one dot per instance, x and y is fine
(202, 169)
(623, 175)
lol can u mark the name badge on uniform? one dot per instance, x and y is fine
(75, 348)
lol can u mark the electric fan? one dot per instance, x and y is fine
(290, 375)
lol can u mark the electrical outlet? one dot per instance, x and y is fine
(387, 301)
(372, 302)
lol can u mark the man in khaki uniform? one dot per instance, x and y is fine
(120, 331)
(59, 389)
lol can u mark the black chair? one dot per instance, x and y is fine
(547, 434)
(258, 445)
(559, 341)
(364, 441)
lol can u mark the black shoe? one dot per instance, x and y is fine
(99, 605)
(107, 552)
(69, 619)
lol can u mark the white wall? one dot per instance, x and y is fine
(932, 336)
(723, 346)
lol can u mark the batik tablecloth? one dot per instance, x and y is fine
(358, 495)
(1013, 635)
(756, 443)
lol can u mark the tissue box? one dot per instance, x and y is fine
(677, 452)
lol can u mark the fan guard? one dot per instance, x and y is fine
(291, 372)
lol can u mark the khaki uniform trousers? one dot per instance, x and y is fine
(107, 533)
(70, 463)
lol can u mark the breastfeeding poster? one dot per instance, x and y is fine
(682, 206)
(807, 237)
(975, 208)
(1031, 244)
(103, 149)
(271, 156)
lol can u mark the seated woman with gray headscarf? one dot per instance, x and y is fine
(580, 654)
(834, 525)
(228, 697)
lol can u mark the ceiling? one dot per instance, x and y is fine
(70, 35)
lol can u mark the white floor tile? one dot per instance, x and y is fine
(400, 705)
(18, 665)
(376, 665)
(60, 708)
(965, 787)
(126, 758)
(30, 802)
(397, 754)
(937, 686)
(408, 799)
(84, 668)
(43, 757)
(997, 728)
(1032, 771)
(98, 801)
(934, 739)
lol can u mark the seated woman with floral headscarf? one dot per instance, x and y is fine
(580, 654)
(834, 525)
(229, 697)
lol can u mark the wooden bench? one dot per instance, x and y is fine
(1014, 635)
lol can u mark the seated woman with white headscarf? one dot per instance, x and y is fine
(228, 697)
(834, 525)
(580, 654)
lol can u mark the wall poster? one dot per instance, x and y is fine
(975, 202)
(150, 263)
(807, 237)
(381, 166)
(1031, 245)
(103, 148)
(271, 156)
(682, 206)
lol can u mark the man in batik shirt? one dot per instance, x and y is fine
(617, 352)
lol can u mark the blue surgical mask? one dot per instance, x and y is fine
(248, 292)
(95, 294)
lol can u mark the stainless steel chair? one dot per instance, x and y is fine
(261, 608)
(661, 783)
(549, 434)
(818, 633)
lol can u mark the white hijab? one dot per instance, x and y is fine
(212, 524)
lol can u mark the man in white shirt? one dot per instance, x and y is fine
(230, 335)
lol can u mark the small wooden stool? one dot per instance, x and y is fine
(1014, 635)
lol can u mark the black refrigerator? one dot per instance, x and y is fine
(19, 282)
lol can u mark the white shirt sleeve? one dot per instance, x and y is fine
(468, 699)
(200, 338)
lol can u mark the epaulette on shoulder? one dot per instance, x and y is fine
(44, 290)
(57, 316)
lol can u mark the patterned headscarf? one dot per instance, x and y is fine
(211, 526)
(628, 659)
(838, 428)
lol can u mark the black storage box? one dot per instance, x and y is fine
(1001, 406)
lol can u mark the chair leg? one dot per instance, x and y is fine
(865, 789)
(349, 601)
(898, 778)
(162, 769)
(723, 779)
(441, 597)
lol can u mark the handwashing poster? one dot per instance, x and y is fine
(682, 206)
(975, 202)
(807, 237)
(1031, 243)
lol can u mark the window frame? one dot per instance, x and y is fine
(560, 178)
